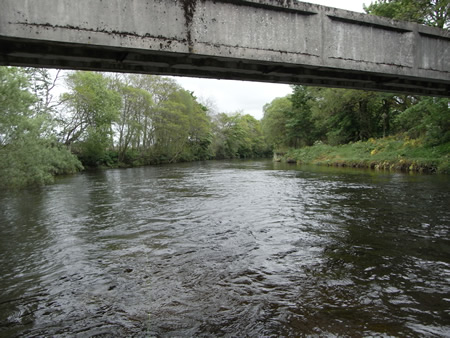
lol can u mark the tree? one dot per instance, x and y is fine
(199, 128)
(91, 108)
(254, 139)
(29, 153)
(182, 128)
(15, 104)
(161, 90)
(42, 85)
(238, 136)
(133, 117)
(428, 118)
(300, 125)
(420, 117)
(159, 121)
(275, 120)
(428, 12)
(288, 121)
(343, 116)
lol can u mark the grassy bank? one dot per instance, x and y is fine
(390, 153)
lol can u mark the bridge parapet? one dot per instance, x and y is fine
(282, 41)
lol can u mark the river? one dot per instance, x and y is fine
(229, 249)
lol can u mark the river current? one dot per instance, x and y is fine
(227, 249)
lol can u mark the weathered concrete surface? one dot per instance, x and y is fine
(258, 40)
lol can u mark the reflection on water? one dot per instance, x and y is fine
(227, 249)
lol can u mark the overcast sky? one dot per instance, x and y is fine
(250, 97)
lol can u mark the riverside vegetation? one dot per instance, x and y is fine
(112, 120)
(360, 129)
(390, 153)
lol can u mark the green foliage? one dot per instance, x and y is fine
(429, 118)
(159, 122)
(251, 143)
(288, 121)
(339, 116)
(29, 154)
(227, 135)
(15, 104)
(92, 108)
(300, 127)
(334, 116)
(90, 105)
(133, 119)
(129, 120)
(31, 161)
(238, 136)
(391, 153)
(275, 120)
(181, 128)
(347, 115)
(427, 12)
(154, 121)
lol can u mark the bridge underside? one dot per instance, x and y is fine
(316, 45)
(82, 57)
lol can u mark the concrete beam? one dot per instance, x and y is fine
(282, 41)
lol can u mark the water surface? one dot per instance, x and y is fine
(236, 248)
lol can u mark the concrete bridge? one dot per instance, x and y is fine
(280, 41)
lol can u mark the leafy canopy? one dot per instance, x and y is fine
(427, 12)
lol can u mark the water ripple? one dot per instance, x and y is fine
(227, 249)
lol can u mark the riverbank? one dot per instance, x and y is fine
(389, 153)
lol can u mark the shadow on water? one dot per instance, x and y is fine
(228, 248)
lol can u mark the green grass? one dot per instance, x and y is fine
(390, 153)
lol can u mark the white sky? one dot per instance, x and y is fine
(250, 97)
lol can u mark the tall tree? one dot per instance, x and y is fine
(199, 128)
(275, 120)
(181, 128)
(91, 108)
(288, 121)
(300, 125)
(160, 89)
(252, 144)
(133, 117)
(42, 85)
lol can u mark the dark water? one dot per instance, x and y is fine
(242, 249)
